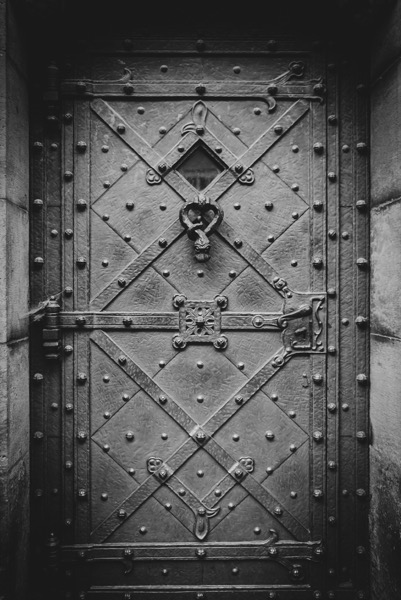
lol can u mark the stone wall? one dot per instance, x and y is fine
(385, 515)
(14, 282)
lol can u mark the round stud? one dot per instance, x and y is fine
(237, 243)
(332, 407)
(294, 263)
(231, 506)
(257, 110)
(162, 364)
(275, 169)
(269, 435)
(269, 470)
(140, 110)
(318, 148)
(236, 437)
(129, 435)
(166, 273)
(125, 397)
(199, 364)
(295, 148)
(293, 448)
(270, 238)
(232, 274)
(278, 511)
(237, 70)
(106, 448)
(292, 414)
(257, 531)
(162, 131)
(278, 129)
(317, 494)
(236, 130)
(120, 128)
(239, 400)
(269, 206)
(293, 494)
(237, 206)
(200, 399)
(295, 215)
(142, 530)
(217, 493)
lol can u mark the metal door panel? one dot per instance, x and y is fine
(196, 453)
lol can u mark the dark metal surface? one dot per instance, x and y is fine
(194, 426)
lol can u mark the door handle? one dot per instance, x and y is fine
(199, 228)
(302, 311)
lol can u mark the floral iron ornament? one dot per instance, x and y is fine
(200, 228)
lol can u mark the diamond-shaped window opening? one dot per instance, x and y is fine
(200, 168)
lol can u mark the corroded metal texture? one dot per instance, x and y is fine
(202, 424)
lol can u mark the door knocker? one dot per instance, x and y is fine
(200, 228)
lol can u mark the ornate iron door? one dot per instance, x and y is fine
(195, 439)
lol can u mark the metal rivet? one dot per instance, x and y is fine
(361, 493)
(130, 205)
(200, 399)
(278, 129)
(38, 377)
(331, 292)
(200, 273)
(164, 572)
(332, 234)
(332, 119)
(237, 205)
(231, 506)
(166, 273)
(69, 407)
(68, 349)
(295, 148)
(292, 414)
(318, 205)
(104, 496)
(82, 436)
(272, 551)
(106, 448)
(361, 205)
(317, 494)
(236, 130)
(237, 69)
(129, 435)
(269, 435)
(122, 282)
(317, 262)
(318, 148)
(293, 494)
(241, 366)
(238, 473)
(38, 435)
(317, 436)
(199, 364)
(162, 131)
(38, 146)
(127, 321)
(345, 148)
(332, 407)
(278, 511)
(345, 407)
(269, 205)
(237, 243)
(232, 274)
(270, 238)
(107, 415)
(142, 530)
(317, 378)
(362, 148)
(239, 399)
(295, 215)
(82, 493)
(162, 364)
(332, 520)
(217, 493)
(164, 436)
(125, 397)
(218, 149)
(81, 377)
(168, 506)
(39, 261)
(127, 238)
(68, 465)
(269, 470)
(294, 263)
(257, 531)
(236, 437)
(257, 111)
(332, 176)
(361, 436)
(239, 168)
(362, 379)
(200, 89)
(332, 465)
(275, 169)
(38, 203)
(162, 242)
(181, 492)
(128, 89)
(360, 550)
(106, 184)
(345, 321)
(362, 263)
(140, 110)
(106, 378)
(121, 514)
(293, 448)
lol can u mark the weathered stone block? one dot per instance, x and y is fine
(17, 138)
(18, 546)
(386, 136)
(386, 41)
(18, 393)
(385, 517)
(385, 374)
(386, 269)
(17, 266)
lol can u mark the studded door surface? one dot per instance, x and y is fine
(195, 448)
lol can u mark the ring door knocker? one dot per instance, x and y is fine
(199, 229)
